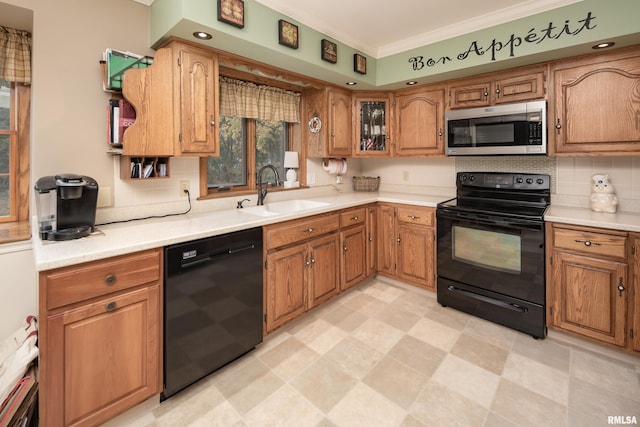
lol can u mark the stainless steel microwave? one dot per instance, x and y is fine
(498, 130)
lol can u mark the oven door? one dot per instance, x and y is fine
(501, 255)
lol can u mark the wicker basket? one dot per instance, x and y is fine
(366, 183)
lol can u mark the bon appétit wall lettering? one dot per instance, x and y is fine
(510, 45)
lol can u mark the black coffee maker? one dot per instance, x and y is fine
(66, 205)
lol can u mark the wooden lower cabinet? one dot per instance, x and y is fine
(353, 240)
(588, 286)
(372, 240)
(301, 268)
(99, 339)
(406, 245)
(634, 312)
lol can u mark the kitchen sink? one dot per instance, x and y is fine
(283, 208)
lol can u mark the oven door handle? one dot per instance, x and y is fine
(502, 304)
(479, 218)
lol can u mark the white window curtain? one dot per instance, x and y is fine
(251, 101)
(15, 55)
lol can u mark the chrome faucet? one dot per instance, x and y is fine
(262, 193)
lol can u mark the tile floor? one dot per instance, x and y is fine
(386, 354)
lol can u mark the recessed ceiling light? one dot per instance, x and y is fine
(603, 45)
(412, 82)
(202, 35)
(351, 83)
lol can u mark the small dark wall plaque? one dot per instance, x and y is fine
(329, 51)
(359, 64)
(231, 12)
(288, 34)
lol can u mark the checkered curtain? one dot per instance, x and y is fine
(248, 100)
(15, 55)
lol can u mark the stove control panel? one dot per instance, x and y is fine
(505, 180)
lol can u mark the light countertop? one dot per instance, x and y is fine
(118, 239)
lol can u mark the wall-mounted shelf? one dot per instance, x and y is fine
(137, 167)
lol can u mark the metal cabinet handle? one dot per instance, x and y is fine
(398, 239)
(620, 287)
(110, 279)
(440, 132)
(309, 230)
(413, 217)
(587, 242)
(313, 260)
(344, 248)
(111, 306)
(558, 126)
(212, 122)
(498, 90)
(486, 92)
(354, 218)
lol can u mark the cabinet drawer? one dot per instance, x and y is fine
(590, 242)
(352, 217)
(416, 215)
(81, 282)
(299, 230)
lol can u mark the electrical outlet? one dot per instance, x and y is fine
(184, 186)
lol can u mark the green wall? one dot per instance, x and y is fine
(588, 21)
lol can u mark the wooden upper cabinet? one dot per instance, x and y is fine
(330, 108)
(596, 105)
(419, 123)
(176, 101)
(371, 119)
(199, 102)
(521, 84)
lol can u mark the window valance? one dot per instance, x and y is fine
(15, 55)
(249, 100)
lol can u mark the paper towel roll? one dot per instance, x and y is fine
(335, 166)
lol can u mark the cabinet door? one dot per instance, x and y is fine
(586, 299)
(354, 257)
(371, 116)
(103, 358)
(419, 128)
(635, 318)
(372, 240)
(198, 103)
(387, 240)
(415, 255)
(286, 284)
(519, 88)
(597, 108)
(340, 123)
(470, 95)
(324, 278)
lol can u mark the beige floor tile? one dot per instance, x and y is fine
(378, 335)
(281, 352)
(345, 318)
(495, 420)
(537, 377)
(415, 302)
(398, 318)
(544, 351)
(396, 381)
(383, 291)
(365, 304)
(417, 354)
(438, 405)
(612, 375)
(289, 358)
(527, 408)
(222, 415)
(255, 392)
(324, 383)
(435, 333)
(491, 332)
(481, 353)
(590, 402)
(355, 357)
(320, 335)
(448, 317)
(411, 421)
(189, 404)
(467, 379)
(363, 407)
(285, 407)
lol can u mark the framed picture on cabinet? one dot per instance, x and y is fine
(329, 51)
(287, 34)
(359, 64)
(231, 12)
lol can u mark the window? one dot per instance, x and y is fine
(8, 150)
(246, 145)
(255, 129)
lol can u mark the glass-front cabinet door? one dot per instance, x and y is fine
(372, 126)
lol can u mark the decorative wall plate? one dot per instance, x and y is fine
(315, 125)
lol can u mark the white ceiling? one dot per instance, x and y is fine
(381, 28)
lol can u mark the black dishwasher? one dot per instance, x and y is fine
(212, 305)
